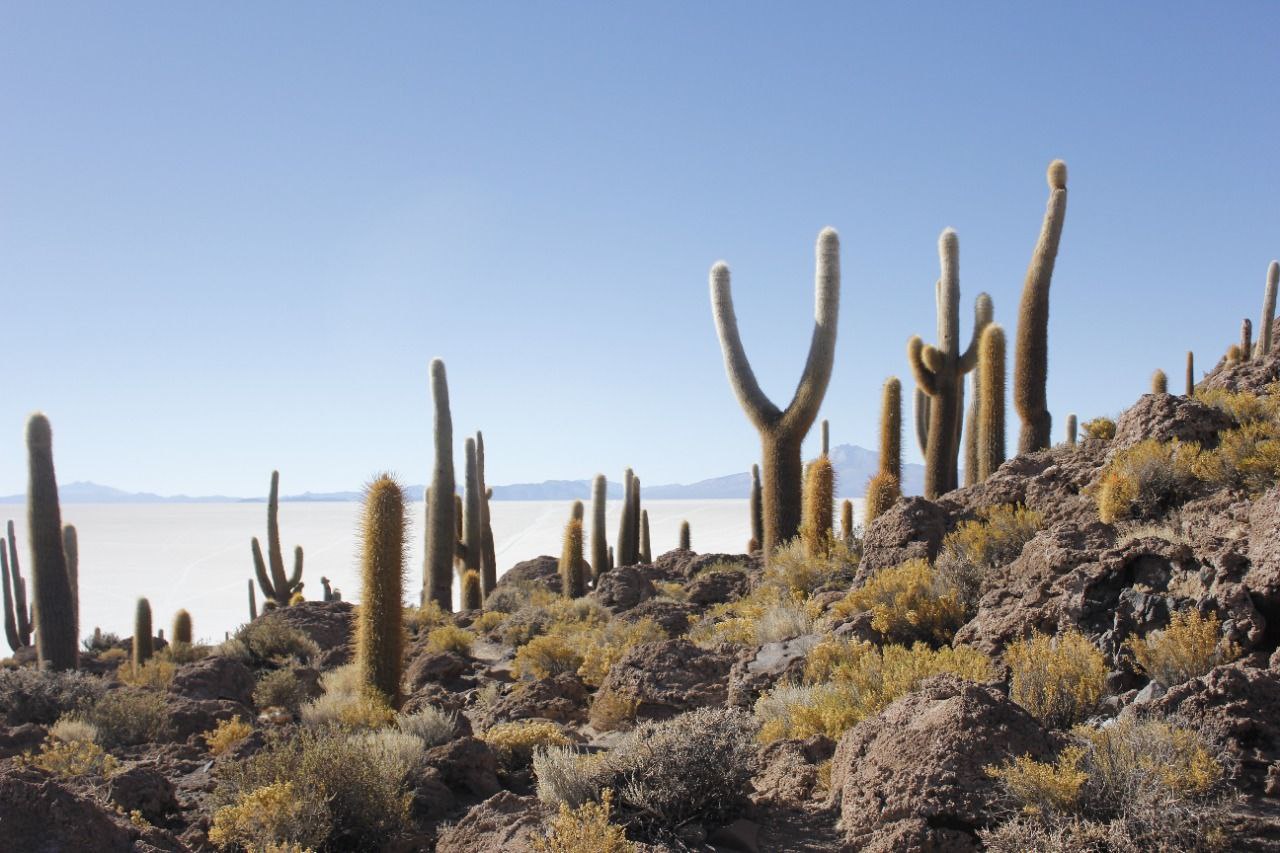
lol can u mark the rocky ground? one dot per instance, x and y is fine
(913, 774)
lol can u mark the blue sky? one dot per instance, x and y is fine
(233, 235)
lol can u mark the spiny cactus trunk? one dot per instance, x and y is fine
(783, 430)
(1071, 430)
(182, 627)
(846, 520)
(472, 523)
(1159, 383)
(472, 595)
(253, 603)
(71, 548)
(21, 611)
(891, 428)
(10, 621)
(922, 419)
(488, 557)
(275, 554)
(635, 517)
(56, 643)
(685, 544)
(441, 535)
(623, 552)
(755, 506)
(646, 549)
(1268, 310)
(143, 642)
(571, 560)
(379, 621)
(1191, 373)
(1031, 366)
(991, 358)
(819, 497)
(883, 492)
(1246, 339)
(599, 536)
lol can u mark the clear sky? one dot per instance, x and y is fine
(233, 235)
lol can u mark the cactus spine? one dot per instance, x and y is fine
(182, 628)
(685, 543)
(885, 487)
(599, 536)
(782, 430)
(846, 520)
(819, 497)
(1071, 430)
(571, 560)
(142, 640)
(625, 556)
(441, 535)
(939, 371)
(646, 550)
(1268, 310)
(756, 509)
(983, 312)
(53, 599)
(488, 557)
(276, 587)
(379, 626)
(1031, 365)
(472, 521)
(990, 424)
(1159, 383)
(472, 594)
(1191, 373)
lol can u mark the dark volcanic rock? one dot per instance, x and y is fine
(623, 588)
(711, 588)
(756, 671)
(189, 717)
(687, 564)
(1165, 417)
(466, 764)
(435, 668)
(788, 772)
(561, 699)
(541, 571)
(672, 616)
(504, 822)
(912, 528)
(145, 789)
(912, 777)
(329, 624)
(671, 676)
(38, 815)
(215, 677)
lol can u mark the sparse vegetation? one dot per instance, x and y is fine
(1059, 680)
(1146, 480)
(515, 743)
(430, 725)
(226, 735)
(585, 829)
(1100, 429)
(269, 639)
(975, 548)
(280, 688)
(1190, 647)
(546, 656)
(908, 603)
(129, 717)
(450, 638)
(42, 696)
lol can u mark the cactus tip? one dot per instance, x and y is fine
(1057, 175)
(39, 433)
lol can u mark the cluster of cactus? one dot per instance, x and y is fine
(54, 605)
(278, 590)
(379, 625)
(631, 547)
(475, 549)
(885, 487)
(331, 593)
(1247, 349)
(17, 615)
(782, 430)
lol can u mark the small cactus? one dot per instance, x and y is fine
(57, 646)
(755, 509)
(782, 431)
(1191, 373)
(1031, 364)
(846, 520)
(885, 487)
(883, 492)
(472, 595)
(143, 646)
(182, 628)
(1159, 383)
(819, 495)
(685, 544)
(626, 556)
(599, 536)
(441, 531)
(646, 550)
(1268, 310)
(991, 419)
(253, 602)
(1246, 339)
(379, 620)
(826, 438)
(571, 560)
(1071, 430)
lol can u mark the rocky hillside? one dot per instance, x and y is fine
(1078, 654)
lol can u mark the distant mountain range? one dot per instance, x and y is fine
(854, 467)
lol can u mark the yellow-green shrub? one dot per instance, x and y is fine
(996, 537)
(793, 570)
(909, 602)
(514, 743)
(864, 679)
(226, 734)
(129, 717)
(267, 816)
(585, 829)
(488, 620)
(769, 614)
(1187, 649)
(1039, 786)
(1247, 458)
(347, 704)
(155, 674)
(1243, 407)
(604, 645)
(71, 759)
(546, 656)
(450, 638)
(1059, 680)
(1145, 480)
(1103, 429)
(611, 710)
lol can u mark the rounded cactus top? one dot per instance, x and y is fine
(1057, 175)
(39, 433)
(829, 235)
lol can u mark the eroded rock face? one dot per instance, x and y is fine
(145, 789)
(435, 668)
(623, 588)
(329, 624)
(671, 676)
(1263, 576)
(466, 764)
(189, 717)
(758, 670)
(788, 774)
(504, 822)
(710, 588)
(687, 564)
(561, 699)
(912, 778)
(541, 571)
(673, 616)
(1236, 705)
(1252, 376)
(1051, 482)
(215, 677)
(38, 815)
(910, 529)
(1165, 417)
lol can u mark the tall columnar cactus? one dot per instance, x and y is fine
(636, 518)
(885, 487)
(143, 645)
(939, 371)
(1246, 339)
(578, 511)
(846, 520)
(571, 560)
(1268, 310)
(685, 538)
(646, 549)
(56, 644)
(610, 556)
(984, 311)
(488, 555)
(599, 536)
(783, 430)
(10, 621)
(819, 498)
(1191, 373)
(756, 509)
(826, 437)
(990, 424)
(472, 594)
(71, 547)
(441, 533)
(624, 553)
(253, 602)
(22, 610)
(472, 520)
(1071, 430)
(276, 587)
(1031, 364)
(1159, 382)
(182, 628)
(379, 620)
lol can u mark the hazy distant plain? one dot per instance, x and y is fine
(197, 555)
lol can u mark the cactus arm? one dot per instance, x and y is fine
(260, 570)
(759, 408)
(926, 380)
(10, 624)
(983, 312)
(922, 404)
(275, 555)
(295, 579)
(803, 409)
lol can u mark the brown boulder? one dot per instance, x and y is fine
(467, 764)
(541, 571)
(1165, 417)
(711, 588)
(504, 822)
(329, 624)
(435, 668)
(1051, 482)
(668, 677)
(687, 564)
(561, 699)
(623, 588)
(758, 670)
(38, 815)
(914, 773)
(672, 616)
(215, 677)
(788, 773)
(912, 528)
(1253, 375)
(189, 717)
(1263, 576)
(145, 789)
(15, 740)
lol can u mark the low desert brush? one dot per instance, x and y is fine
(268, 817)
(1190, 647)
(450, 638)
(1246, 458)
(280, 688)
(129, 717)
(1059, 680)
(545, 657)
(515, 743)
(1102, 429)
(1146, 480)
(155, 674)
(908, 603)
(431, 725)
(585, 829)
(226, 734)
(995, 538)
(75, 759)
